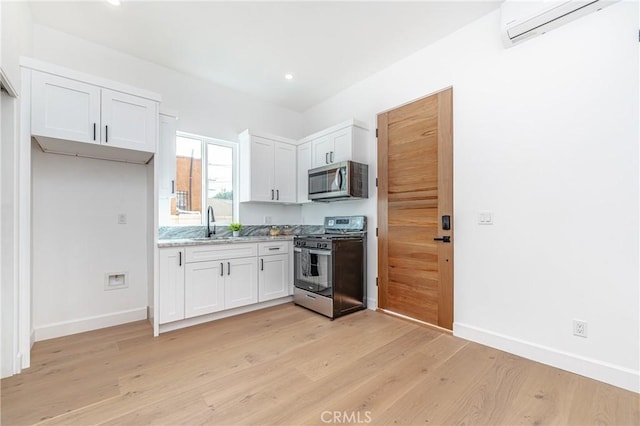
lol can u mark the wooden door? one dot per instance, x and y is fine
(415, 172)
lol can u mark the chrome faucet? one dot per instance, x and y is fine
(211, 218)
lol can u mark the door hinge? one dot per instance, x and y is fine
(376, 133)
(376, 182)
(376, 281)
(376, 232)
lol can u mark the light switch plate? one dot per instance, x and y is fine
(122, 219)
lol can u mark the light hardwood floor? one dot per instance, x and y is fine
(287, 365)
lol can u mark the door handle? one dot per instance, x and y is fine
(277, 194)
(262, 264)
(272, 194)
(94, 131)
(444, 239)
(179, 258)
(228, 268)
(106, 134)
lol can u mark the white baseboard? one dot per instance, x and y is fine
(66, 328)
(170, 326)
(602, 371)
(372, 303)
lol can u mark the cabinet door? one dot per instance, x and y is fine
(171, 284)
(304, 164)
(285, 172)
(320, 151)
(340, 143)
(129, 121)
(262, 155)
(64, 109)
(273, 278)
(166, 163)
(204, 288)
(241, 282)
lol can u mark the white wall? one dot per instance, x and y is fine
(15, 40)
(203, 108)
(68, 290)
(545, 136)
(77, 240)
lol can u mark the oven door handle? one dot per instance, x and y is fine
(320, 252)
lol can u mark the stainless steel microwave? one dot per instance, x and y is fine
(347, 180)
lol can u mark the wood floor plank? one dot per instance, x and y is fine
(286, 365)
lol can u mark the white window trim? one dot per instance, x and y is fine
(204, 141)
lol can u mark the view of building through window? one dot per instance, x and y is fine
(216, 179)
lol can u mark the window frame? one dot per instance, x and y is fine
(235, 187)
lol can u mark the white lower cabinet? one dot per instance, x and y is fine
(203, 288)
(171, 284)
(200, 280)
(241, 282)
(274, 275)
(273, 279)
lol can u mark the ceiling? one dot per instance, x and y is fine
(250, 46)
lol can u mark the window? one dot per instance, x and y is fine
(198, 186)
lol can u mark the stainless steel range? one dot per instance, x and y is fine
(330, 268)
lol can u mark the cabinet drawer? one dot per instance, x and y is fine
(276, 247)
(220, 252)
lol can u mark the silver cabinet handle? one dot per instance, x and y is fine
(221, 269)
(272, 194)
(173, 186)
(179, 258)
(277, 194)
(94, 131)
(326, 158)
(228, 268)
(262, 264)
(331, 156)
(106, 134)
(273, 248)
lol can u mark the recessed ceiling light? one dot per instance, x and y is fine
(288, 76)
(114, 2)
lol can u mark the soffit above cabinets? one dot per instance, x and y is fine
(250, 46)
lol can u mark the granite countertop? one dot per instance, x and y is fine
(180, 242)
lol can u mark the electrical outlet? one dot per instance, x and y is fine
(122, 219)
(485, 217)
(579, 328)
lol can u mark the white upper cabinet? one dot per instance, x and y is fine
(346, 141)
(129, 121)
(78, 114)
(65, 109)
(285, 172)
(304, 164)
(267, 169)
(166, 159)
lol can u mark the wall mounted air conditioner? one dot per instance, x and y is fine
(523, 20)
